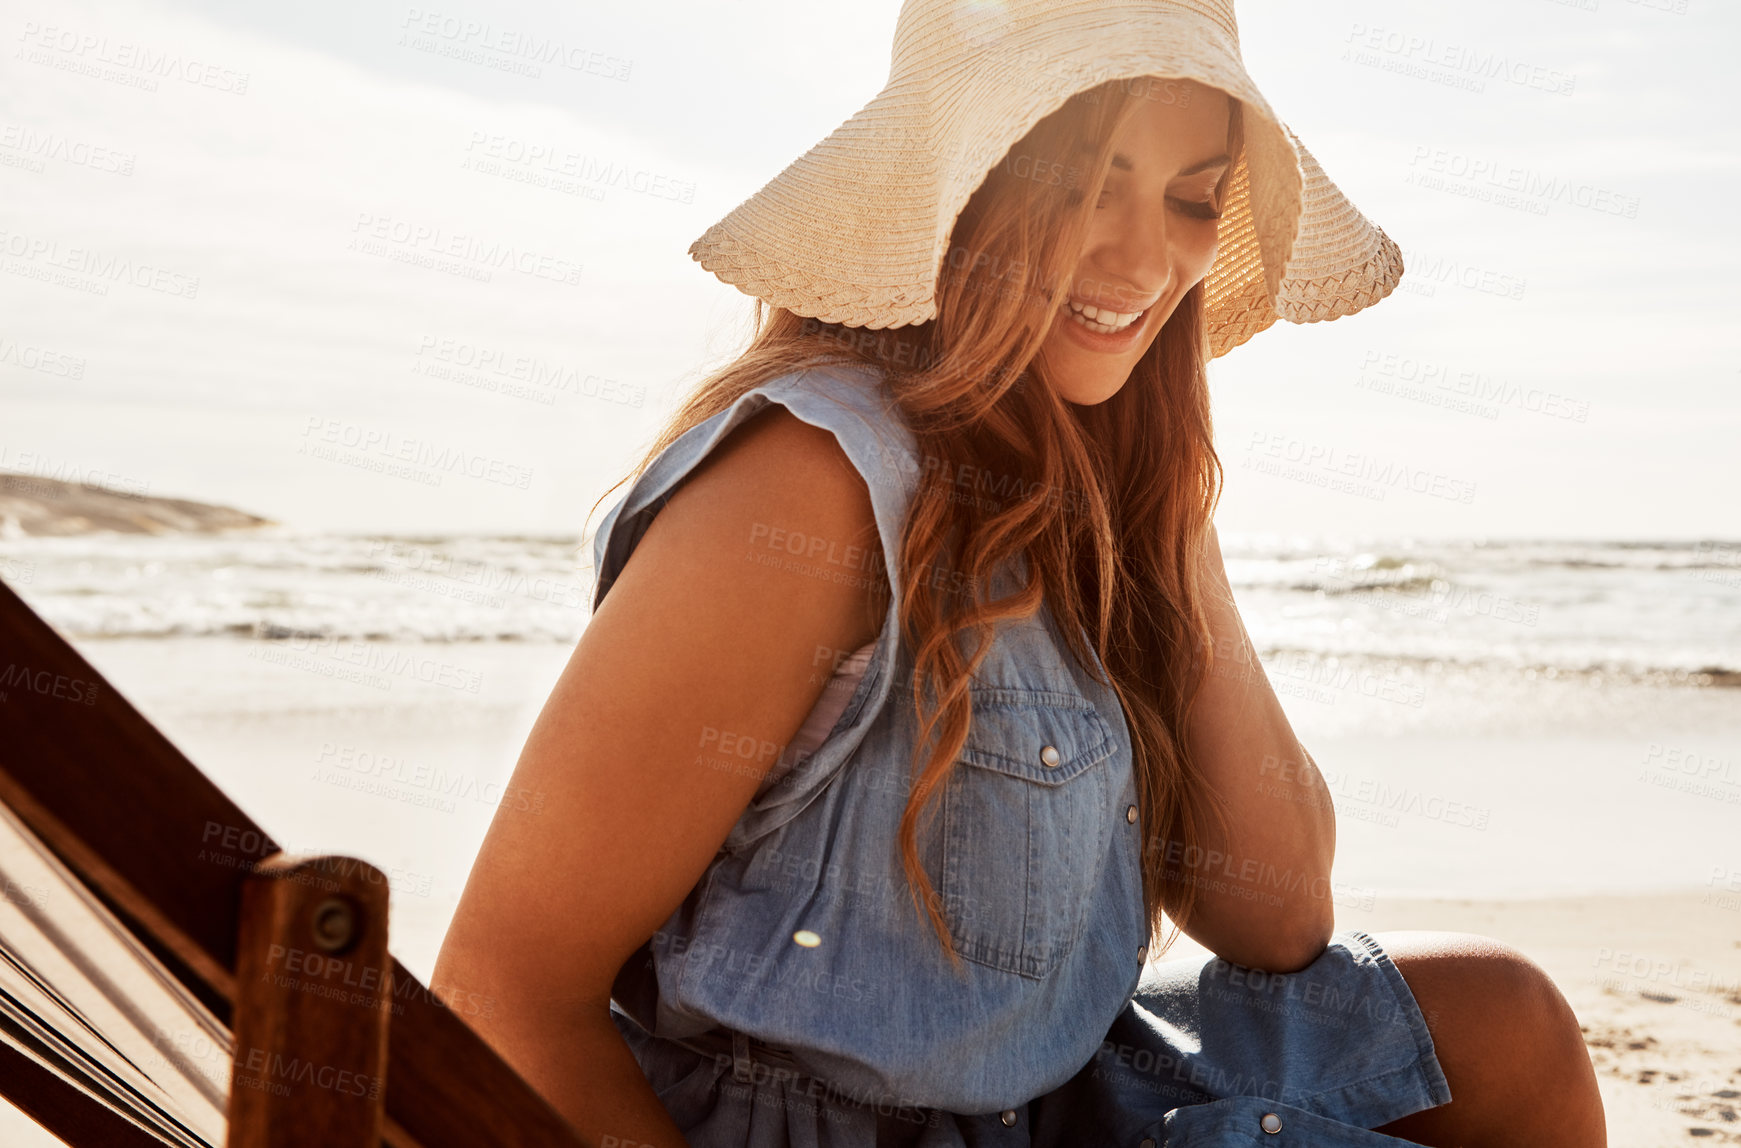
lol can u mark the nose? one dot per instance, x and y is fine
(1135, 259)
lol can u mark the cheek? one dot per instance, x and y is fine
(1197, 254)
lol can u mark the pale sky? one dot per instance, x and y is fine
(276, 184)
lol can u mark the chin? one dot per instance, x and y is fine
(1088, 386)
(1091, 394)
(1086, 379)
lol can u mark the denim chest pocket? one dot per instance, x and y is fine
(1026, 813)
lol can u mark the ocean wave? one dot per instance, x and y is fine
(1640, 610)
(1412, 667)
(1406, 581)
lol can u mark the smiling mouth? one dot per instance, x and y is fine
(1101, 319)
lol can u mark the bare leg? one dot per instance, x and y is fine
(1508, 1042)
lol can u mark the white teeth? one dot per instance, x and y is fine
(1101, 319)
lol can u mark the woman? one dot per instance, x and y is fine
(919, 694)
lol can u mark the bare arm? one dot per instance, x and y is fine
(1266, 882)
(695, 640)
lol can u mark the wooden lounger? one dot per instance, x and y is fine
(168, 976)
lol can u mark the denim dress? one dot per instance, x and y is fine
(797, 996)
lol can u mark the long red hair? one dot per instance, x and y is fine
(1110, 503)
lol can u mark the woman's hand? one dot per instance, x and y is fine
(1264, 884)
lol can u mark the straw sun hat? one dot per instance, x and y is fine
(855, 230)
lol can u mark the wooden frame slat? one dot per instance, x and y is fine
(151, 834)
(63, 1108)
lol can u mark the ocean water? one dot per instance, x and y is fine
(1650, 611)
(1660, 612)
(286, 585)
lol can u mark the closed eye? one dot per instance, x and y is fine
(1195, 208)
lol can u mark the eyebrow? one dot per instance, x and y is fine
(1122, 163)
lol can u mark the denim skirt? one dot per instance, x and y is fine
(1206, 1054)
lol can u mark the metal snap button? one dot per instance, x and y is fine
(1142, 954)
(1008, 1118)
(1049, 757)
(1130, 815)
(1148, 1142)
(1271, 1123)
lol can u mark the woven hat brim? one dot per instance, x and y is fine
(854, 231)
(1341, 263)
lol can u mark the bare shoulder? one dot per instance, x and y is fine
(777, 458)
(779, 487)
